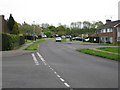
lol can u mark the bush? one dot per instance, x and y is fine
(39, 36)
(10, 41)
(29, 37)
(22, 40)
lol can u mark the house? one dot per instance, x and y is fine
(3, 25)
(110, 32)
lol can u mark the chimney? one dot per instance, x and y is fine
(108, 21)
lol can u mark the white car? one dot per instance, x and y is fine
(58, 39)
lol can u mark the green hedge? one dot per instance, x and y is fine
(10, 41)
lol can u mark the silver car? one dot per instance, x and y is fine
(58, 39)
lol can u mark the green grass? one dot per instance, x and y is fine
(110, 49)
(63, 40)
(109, 44)
(34, 46)
(101, 54)
(28, 41)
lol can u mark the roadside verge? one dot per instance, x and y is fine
(100, 54)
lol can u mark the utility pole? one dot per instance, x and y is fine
(34, 27)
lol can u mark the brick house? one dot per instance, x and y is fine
(110, 32)
(3, 25)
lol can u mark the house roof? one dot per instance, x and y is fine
(110, 24)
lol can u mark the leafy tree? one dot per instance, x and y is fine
(26, 29)
(15, 29)
(10, 23)
(48, 33)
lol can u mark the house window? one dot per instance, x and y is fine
(118, 34)
(104, 30)
(109, 29)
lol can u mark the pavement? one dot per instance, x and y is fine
(17, 52)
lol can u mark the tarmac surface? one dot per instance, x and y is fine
(59, 65)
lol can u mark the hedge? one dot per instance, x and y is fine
(10, 41)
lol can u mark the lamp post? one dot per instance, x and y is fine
(34, 27)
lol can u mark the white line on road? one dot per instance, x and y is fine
(67, 85)
(62, 79)
(35, 60)
(43, 60)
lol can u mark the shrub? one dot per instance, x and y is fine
(10, 41)
(39, 36)
(22, 40)
(29, 37)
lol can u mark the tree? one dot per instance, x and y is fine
(45, 25)
(26, 29)
(10, 23)
(48, 33)
(60, 30)
(15, 29)
(86, 24)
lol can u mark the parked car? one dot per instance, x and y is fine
(77, 38)
(87, 39)
(58, 39)
(67, 36)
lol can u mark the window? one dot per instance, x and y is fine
(118, 34)
(109, 30)
(104, 30)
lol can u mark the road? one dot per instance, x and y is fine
(58, 65)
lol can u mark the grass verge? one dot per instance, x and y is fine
(110, 49)
(109, 44)
(63, 40)
(101, 54)
(34, 46)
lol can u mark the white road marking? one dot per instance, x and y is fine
(67, 85)
(43, 60)
(58, 76)
(35, 60)
(55, 72)
(62, 79)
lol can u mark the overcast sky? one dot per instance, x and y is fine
(59, 11)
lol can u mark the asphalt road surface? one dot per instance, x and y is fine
(58, 65)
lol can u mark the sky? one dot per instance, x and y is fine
(59, 11)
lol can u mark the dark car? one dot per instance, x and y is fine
(77, 38)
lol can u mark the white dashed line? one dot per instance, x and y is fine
(43, 60)
(58, 76)
(35, 60)
(62, 79)
(67, 85)
(55, 72)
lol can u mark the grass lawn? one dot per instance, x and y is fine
(110, 49)
(109, 44)
(63, 40)
(34, 46)
(28, 41)
(101, 54)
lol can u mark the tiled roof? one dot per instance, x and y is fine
(110, 24)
